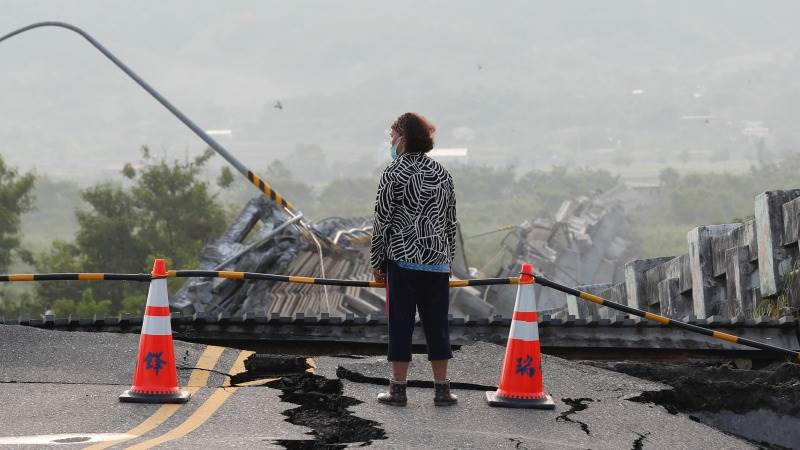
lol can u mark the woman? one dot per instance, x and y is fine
(413, 244)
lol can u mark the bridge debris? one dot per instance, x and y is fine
(584, 241)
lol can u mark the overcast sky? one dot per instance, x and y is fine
(498, 77)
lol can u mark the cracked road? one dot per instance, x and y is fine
(61, 389)
(611, 421)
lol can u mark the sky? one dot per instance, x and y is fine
(532, 81)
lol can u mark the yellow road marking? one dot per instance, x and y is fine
(209, 358)
(202, 413)
(312, 365)
(197, 379)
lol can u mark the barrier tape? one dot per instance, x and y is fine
(234, 276)
(664, 320)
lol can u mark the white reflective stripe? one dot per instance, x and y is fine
(524, 331)
(526, 299)
(157, 294)
(157, 325)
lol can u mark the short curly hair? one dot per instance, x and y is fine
(417, 132)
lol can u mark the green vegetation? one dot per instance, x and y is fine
(168, 209)
(783, 304)
(694, 199)
(15, 199)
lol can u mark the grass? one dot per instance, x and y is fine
(781, 305)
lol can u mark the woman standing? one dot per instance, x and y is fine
(413, 244)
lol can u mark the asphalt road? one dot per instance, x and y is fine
(60, 389)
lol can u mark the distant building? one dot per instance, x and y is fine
(754, 129)
(450, 154)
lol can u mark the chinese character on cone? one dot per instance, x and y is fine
(521, 384)
(155, 379)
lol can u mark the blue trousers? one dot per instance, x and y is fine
(428, 292)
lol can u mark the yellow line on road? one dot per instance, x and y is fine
(197, 379)
(202, 413)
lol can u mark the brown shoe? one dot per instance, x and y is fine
(443, 397)
(396, 395)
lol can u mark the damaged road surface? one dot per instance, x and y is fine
(61, 388)
(593, 399)
(761, 404)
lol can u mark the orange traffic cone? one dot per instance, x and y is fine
(155, 379)
(521, 383)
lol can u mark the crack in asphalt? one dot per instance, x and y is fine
(518, 443)
(576, 405)
(322, 405)
(325, 410)
(638, 444)
(356, 377)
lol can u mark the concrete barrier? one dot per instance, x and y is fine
(727, 271)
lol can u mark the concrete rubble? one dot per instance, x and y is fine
(585, 240)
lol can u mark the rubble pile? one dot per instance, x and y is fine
(583, 242)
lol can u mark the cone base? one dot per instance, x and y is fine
(504, 402)
(182, 396)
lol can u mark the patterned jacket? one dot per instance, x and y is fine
(415, 213)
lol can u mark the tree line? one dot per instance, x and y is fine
(169, 209)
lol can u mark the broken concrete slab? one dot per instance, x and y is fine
(594, 400)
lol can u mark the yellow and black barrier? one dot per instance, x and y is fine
(76, 277)
(264, 187)
(323, 281)
(144, 277)
(233, 276)
(664, 320)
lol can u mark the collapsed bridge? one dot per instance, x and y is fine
(584, 241)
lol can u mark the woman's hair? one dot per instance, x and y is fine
(417, 132)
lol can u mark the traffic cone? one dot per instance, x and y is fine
(521, 383)
(155, 379)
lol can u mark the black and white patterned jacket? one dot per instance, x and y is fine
(415, 213)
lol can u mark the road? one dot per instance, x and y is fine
(60, 389)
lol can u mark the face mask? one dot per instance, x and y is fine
(393, 152)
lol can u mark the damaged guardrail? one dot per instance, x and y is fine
(665, 320)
